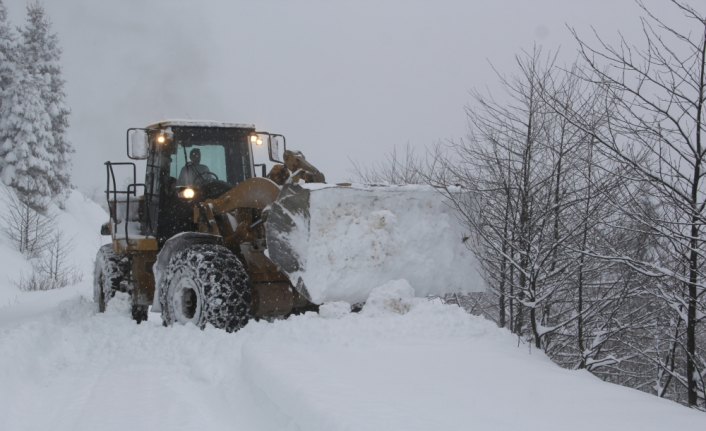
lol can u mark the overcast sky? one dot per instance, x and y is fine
(344, 81)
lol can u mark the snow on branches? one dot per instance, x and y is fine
(34, 149)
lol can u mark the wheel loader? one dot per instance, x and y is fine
(193, 230)
(209, 237)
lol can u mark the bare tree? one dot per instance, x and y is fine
(53, 264)
(530, 199)
(656, 132)
(33, 234)
(586, 203)
(398, 169)
(26, 228)
(51, 269)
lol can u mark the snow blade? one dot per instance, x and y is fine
(337, 243)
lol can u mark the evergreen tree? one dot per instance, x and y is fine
(25, 142)
(40, 53)
(8, 52)
(8, 69)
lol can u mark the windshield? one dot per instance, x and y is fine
(203, 155)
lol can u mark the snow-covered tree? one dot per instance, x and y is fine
(659, 133)
(26, 142)
(40, 54)
(8, 66)
(8, 51)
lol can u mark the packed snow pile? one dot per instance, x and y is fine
(395, 296)
(352, 239)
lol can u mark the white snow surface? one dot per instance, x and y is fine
(360, 237)
(403, 363)
(80, 224)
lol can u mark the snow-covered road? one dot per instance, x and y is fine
(71, 369)
(64, 367)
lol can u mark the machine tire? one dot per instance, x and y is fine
(206, 284)
(139, 313)
(109, 271)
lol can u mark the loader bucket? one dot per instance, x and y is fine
(291, 207)
(337, 243)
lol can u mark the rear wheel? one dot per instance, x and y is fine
(139, 313)
(206, 284)
(109, 271)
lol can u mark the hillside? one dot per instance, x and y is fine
(79, 224)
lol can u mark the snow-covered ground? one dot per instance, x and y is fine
(80, 225)
(403, 363)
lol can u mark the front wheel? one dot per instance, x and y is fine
(206, 284)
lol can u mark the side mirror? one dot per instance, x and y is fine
(276, 145)
(138, 147)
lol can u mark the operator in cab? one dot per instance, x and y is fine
(193, 172)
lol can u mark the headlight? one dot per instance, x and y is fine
(164, 136)
(255, 139)
(187, 193)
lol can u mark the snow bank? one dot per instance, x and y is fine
(13, 262)
(356, 238)
(432, 367)
(80, 225)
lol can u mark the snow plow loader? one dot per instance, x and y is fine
(205, 239)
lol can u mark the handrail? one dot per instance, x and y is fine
(127, 206)
(131, 190)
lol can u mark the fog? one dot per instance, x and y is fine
(344, 81)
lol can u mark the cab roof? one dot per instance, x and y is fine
(198, 123)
